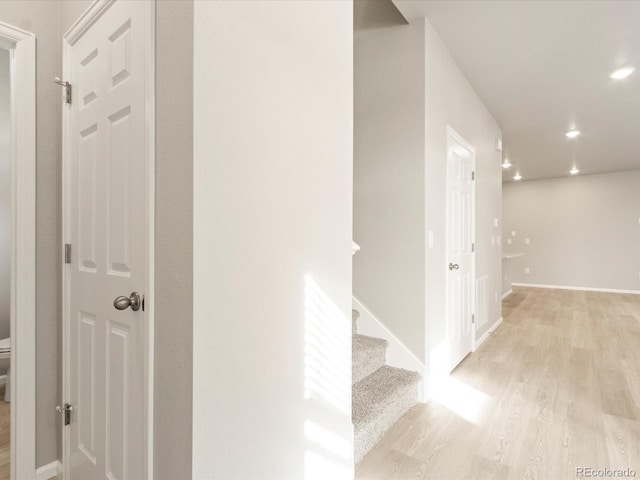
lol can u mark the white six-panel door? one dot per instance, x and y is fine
(106, 221)
(460, 256)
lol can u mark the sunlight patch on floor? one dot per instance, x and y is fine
(462, 399)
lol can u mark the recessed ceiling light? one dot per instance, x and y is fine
(623, 72)
(574, 171)
(573, 133)
(517, 177)
(506, 163)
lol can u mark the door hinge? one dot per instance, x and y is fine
(473, 247)
(67, 253)
(473, 318)
(66, 410)
(473, 174)
(67, 89)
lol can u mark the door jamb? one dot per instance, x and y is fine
(452, 134)
(75, 32)
(22, 48)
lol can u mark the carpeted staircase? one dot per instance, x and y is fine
(381, 394)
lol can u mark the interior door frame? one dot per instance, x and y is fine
(455, 136)
(75, 32)
(22, 49)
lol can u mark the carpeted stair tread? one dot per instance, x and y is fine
(375, 392)
(379, 401)
(363, 342)
(368, 355)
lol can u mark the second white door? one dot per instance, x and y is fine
(460, 247)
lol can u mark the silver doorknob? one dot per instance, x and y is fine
(134, 301)
(454, 266)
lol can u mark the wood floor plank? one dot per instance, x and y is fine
(615, 394)
(561, 380)
(485, 469)
(622, 436)
(390, 465)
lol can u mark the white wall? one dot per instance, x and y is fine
(273, 117)
(507, 277)
(389, 154)
(5, 196)
(584, 231)
(451, 100)
(70, 11)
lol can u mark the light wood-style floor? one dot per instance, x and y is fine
(556, 387)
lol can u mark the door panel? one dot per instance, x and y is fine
(107, 215)
(86, 386)
(460, 238)
(119, 201)
(88, 152)
(117, 402)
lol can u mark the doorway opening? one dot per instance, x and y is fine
(17, 247)
(5, 264)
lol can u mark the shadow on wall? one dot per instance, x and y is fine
(327, 387)
(372, 14)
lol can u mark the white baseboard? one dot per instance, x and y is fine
(53, 469)
(486, 335)
(3, 379)
(398, 355)
(582, 289)
(505, 295)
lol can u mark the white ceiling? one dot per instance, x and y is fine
(543, 68)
